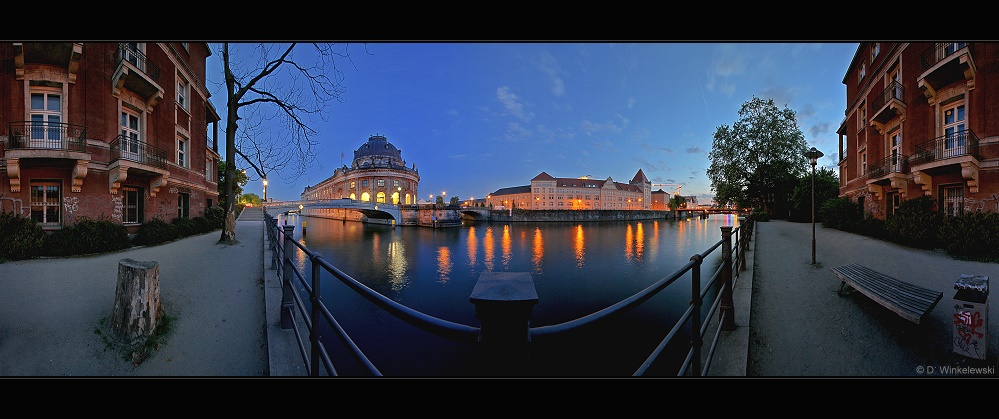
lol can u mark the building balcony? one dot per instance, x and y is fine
(888, 106)
(135, 72)
(60, 54)
(892, 171)
(953, 152)
(28, 140)
(132, 156)
(945, 63)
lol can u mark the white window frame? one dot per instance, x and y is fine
(46, 205)
(183, 205)
(183, 151)
(953, 199)
(862, 74)
(953, 130)
(131, 133)
(863, 161)
(862, 117)
(45, 130)
(129, 55)
(875, 50)
(895, 149)
(183, 92)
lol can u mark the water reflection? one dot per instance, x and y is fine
(398, 265)
(538, 250)
(487, 247)
(444, 264)
(579, 246)
(472, 246)
(507, 246)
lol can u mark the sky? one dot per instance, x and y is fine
(475, 117)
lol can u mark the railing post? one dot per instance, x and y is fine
(695, 316)
(727, 305)
(316, 315)
(287, 298)
(271, 236)
(743, 243)
(504, 303)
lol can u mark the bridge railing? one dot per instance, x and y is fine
(305, 321)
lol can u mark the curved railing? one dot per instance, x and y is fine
(295, 314)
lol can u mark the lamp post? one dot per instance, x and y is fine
(813, 156)
(265, 189)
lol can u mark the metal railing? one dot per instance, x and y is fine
(138, 59)
(961, 143)
(137, 151)
(888, 165)
(294, 313)
(46, 135)
(894, 90)
(941, 50)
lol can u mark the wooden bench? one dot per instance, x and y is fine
(912, 302)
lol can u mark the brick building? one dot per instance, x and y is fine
(106, 130)
(920, 121)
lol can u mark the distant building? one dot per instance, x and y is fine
(550, 193)
(660, 200)
(106, 130)
(377, 173)
(920, 121)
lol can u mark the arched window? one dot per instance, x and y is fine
(380, 198)
(365, 197)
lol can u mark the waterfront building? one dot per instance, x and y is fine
(583, 193)
(920, 122)
(377, 173)
(106, 130)
(660, 200)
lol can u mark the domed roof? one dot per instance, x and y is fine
(377, 145)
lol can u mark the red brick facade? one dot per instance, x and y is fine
(920, 121)
(106, 130)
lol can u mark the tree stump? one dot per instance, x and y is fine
(137, 305)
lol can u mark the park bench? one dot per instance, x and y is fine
(910, 301)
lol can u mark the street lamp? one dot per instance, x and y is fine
(813, 156)
(265, 189)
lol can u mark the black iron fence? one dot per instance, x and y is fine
(126, 52)
(46, 135)
(898, 163)
(961, 143)
(305, 321)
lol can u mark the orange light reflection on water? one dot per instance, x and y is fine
(507, 243)
(639, 242)
(472, 246)
(488, 247)
(539, 250)
(444, 264)
(580, 246)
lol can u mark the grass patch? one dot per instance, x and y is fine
(136, 352)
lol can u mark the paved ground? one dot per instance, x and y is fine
(798, 326)
(52, 311)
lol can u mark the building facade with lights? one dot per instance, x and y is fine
(920, 121)
(376, 174)
(551, 193)
(106, 130)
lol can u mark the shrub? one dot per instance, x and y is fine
(972, 236)
(915, 223)
(155, 231)
(20, 237)
(840, 213)
(87, 236)
(871, 227)
(201, 225)
(185, 227)
(760, 215)
(215, 216)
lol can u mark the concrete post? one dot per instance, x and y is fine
(270, 240)
(727, 305)
(504, 303)
(287, 298)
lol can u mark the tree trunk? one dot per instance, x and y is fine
(229, 228)
(137, 305)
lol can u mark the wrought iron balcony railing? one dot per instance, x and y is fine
(892, 164)
(132, 149)
(961, 143)
(46, 136)
(893, 91)
(138, 59)
(941, 50)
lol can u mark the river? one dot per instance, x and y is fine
(578, 269)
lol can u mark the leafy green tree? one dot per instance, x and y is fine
(758, 160)
(250, 198)
(455, 200)
(826, 188)
(675, 202)
(240, 178)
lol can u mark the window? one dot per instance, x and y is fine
(183, 91)
(45, 202)
(131, 52)
(862, 117)
(186, 45)
(364, 183)
(129, 135)
(381, 182)
(862, 73)
(952, 47)
(131, 205)
(896, 146)
(208, 171)
(875, 50)
(863, 162)
(395, 183)
(893, 202)
(953, 125)
(352, 185)
(182, 152)
(953, 197)
(183, 205)
(46, 119)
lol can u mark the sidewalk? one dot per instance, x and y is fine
(51, 310)
(798, 326)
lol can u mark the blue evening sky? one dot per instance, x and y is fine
(477, 117)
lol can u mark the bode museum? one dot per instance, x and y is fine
(377, 173)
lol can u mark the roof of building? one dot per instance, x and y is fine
(377, 145)
(640, 177)
(513, 190)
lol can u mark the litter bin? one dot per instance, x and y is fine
(971, 316)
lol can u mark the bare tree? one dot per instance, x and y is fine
(277, 86)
